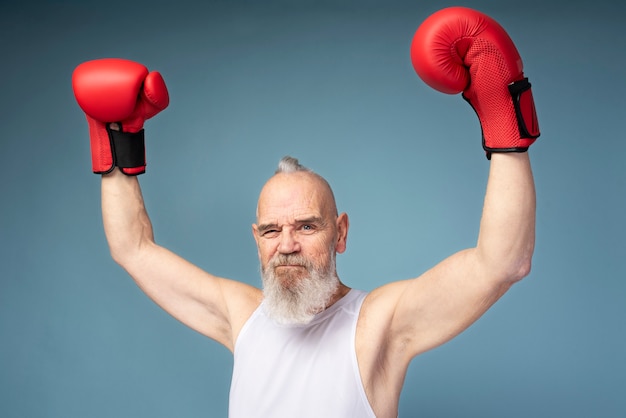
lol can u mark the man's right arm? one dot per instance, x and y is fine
(213, 306)
(118, 96)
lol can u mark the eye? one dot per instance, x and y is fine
(270, 233)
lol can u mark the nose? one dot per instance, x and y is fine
(288, 243)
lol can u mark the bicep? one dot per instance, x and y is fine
(435, 307)
(211, 305)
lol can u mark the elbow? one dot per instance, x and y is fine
(118, 255)
(518, 266)
(521, 269)
(123, 254)
(508, 270)
(125, 249)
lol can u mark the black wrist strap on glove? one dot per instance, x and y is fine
(129, 149)
(524, 109)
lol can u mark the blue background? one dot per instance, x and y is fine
(331, 83)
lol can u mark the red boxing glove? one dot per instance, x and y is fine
(118, 91)
(458, 49)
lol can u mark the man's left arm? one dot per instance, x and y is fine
(402, 319)
(444, 301)
(482, 62)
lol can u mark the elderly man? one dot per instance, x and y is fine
(307, 345)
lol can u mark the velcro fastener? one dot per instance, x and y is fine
(524, 104)
(129, 149)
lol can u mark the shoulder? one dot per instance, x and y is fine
(375, 324)
(380, 304)
(241, 300)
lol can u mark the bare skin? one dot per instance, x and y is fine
(297, 214)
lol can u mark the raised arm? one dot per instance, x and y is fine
(507, 230)
(213, 306)
(117, 97)
(444, 301)
(482, 62)
(454, 50)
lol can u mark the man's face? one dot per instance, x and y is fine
(298, 234)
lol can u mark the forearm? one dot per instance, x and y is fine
(507, 229)
(126, 222)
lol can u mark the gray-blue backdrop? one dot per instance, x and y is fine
(331, 83)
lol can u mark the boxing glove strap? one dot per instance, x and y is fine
(129, 148)
(524, 108)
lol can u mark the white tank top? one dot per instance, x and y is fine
(289, 371)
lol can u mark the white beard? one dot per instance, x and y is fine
(294, 297)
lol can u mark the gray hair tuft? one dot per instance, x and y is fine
(289, 165)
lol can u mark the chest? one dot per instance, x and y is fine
(298, 371)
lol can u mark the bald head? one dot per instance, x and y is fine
(294, 182)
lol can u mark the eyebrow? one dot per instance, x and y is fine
(307, 220)
(311, 220)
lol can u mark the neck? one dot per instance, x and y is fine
(342, 290)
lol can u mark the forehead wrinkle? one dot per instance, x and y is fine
(280, 215)
(296, 194)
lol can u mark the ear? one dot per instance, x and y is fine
(255, 228)
(343, 224)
